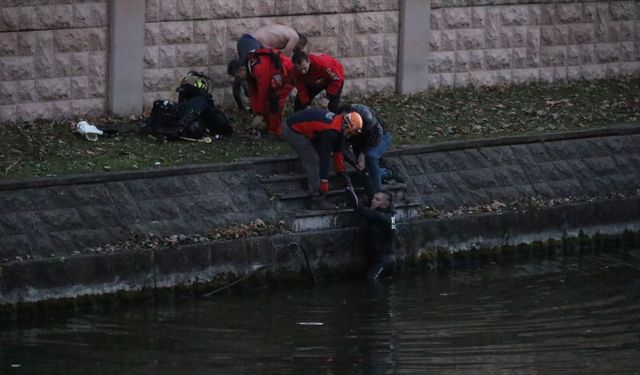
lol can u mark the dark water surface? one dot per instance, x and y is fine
(576, 314)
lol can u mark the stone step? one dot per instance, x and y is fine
(394, 188)
(309, 220)
(297, 200)
(291, 181)
(293, 177)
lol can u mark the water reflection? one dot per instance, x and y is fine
(568, 315)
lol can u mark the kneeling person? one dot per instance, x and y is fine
(369, 144)
(314, 73)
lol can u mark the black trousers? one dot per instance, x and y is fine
(334, 100)
(381, 267)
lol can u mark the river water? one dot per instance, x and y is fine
(577, 314)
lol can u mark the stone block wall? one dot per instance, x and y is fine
(86, 212)
(54, 54)
(185, 35)
(46, 218)
(484, 43)
(563, 168)
(53, 59)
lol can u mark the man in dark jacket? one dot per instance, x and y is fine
(380, 228)
(370, 144)
(317, 134)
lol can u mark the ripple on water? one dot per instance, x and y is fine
(573, 314)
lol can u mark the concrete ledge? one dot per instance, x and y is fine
(618, 129)
(81, 179)
(329, 252)
(268, 162)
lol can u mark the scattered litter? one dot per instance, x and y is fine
(89, 131)
(156, 163)
(16, 365)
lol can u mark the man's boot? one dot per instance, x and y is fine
(319, 202)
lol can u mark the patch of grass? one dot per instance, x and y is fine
(48, 148)
(512, 110)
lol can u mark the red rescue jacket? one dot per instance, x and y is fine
(324, 129)
(324, 67)
(270, 77)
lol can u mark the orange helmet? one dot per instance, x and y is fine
(353, 122)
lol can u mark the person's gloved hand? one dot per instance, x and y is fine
(324, 186)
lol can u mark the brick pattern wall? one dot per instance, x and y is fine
(53, 59)
(541, 42)
(201, 34)
(53, 53)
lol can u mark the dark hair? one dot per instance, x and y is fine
(299, 56)
(302, 42)
(234, 67)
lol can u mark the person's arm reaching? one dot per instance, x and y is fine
(291, 44)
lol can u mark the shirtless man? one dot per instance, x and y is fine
(272, 35)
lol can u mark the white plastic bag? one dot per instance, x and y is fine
(90, 132)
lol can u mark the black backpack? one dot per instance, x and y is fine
(194, 116)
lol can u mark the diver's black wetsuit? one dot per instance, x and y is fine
(379, 232)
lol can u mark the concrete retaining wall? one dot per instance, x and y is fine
(450, 176)
(45, 217)
(55, 56)
(45, 224)
(330, 253)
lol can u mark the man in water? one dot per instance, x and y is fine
(380, 228)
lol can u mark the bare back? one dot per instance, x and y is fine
(277, 36)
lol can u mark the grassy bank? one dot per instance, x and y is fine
(48, 148)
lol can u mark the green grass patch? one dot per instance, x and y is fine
(48, 148)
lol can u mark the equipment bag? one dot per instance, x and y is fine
(194, 116)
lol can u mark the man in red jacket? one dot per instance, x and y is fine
(316, 134)
(272, 35)
(314, 73)
(269, 74)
